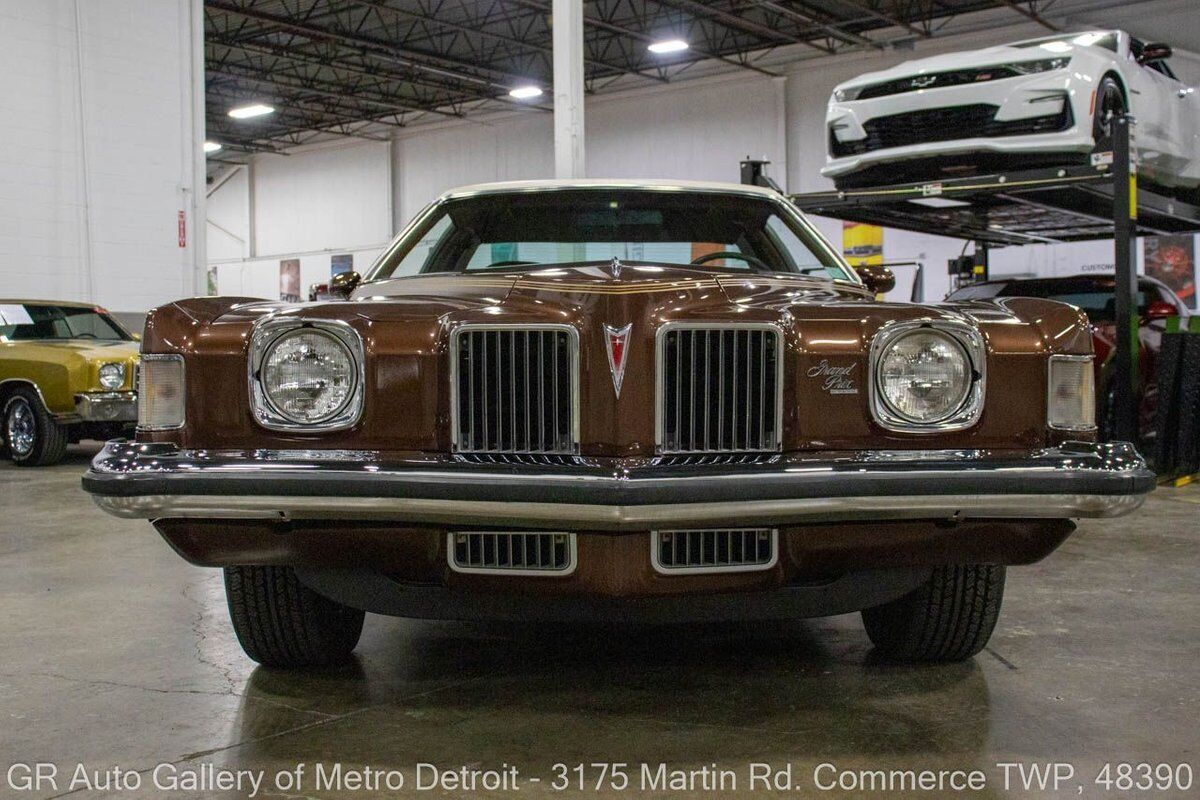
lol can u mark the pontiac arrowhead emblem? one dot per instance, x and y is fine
(615, 341)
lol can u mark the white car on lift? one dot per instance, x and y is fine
(1039, 102)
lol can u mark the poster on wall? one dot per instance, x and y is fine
(289, 280)
(1172, 259)
(343, 262)
(212, 282)
(862, 244)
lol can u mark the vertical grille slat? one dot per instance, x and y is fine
(515, 390)
(718, 550)
(512, 553)
(718, 389)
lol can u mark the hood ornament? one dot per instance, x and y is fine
(615, 267)
(615, 342)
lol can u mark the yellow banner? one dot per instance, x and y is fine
(862, 244)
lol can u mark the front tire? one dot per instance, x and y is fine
(32, 437)
(282, 623)
(1110, 103)
(949, 618)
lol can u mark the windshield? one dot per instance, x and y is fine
(513, 230)
(29, 322)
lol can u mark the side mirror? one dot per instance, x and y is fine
(1154, 52)
(878, 278)
(344, 283)
(1160, 309)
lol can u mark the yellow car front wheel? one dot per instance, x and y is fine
(34, 439)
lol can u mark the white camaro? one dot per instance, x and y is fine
(1034, 103)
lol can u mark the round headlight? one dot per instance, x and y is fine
(112, 376)
(924, 376)
(308, 376)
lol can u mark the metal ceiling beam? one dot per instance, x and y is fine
(457, 94)
(335, 91)
(1030, 13)
(806, 19)
(382, 5)
(891, 19)
(293, 93)
(598, 23)
(380, 45)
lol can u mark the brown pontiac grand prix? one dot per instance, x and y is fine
(614, 401)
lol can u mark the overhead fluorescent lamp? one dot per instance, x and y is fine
(211, 147)
(668, 46)
(251, 111)
(525, 92)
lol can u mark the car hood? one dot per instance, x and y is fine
(86, 349)
(985, 57)
(585, 283)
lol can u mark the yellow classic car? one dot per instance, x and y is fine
(66, 374)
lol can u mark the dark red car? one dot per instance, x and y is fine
(1094, 294)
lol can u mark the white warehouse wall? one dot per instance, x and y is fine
(97, 153)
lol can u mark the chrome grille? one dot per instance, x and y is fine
(512, 553)
(514, 389)
(729, 550)
(718, 389)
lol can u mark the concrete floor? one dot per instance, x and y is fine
(116, 653)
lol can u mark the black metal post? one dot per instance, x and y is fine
(980, 272)
(1124, 369)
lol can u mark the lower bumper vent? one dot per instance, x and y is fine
(509, 553)
(735, 550)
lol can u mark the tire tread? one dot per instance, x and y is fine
(280, 622)
(949, 618)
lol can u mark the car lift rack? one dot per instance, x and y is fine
(1031, 206)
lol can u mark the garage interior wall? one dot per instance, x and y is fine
(97, 151)
(351, 197)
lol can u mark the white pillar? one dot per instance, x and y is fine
(197, 213)
(567, 22)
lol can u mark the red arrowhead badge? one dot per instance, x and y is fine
(615, 340)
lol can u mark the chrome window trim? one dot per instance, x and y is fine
(572, 336)
(656, 561)
(265, 335)
(967, 337)
(660, 375)
(572, 556)
(138, 389)
(1049, 371)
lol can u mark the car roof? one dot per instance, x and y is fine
(610, 183)
(67, 303)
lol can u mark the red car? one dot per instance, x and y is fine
(1094, 294)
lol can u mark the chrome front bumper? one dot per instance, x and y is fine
(106, 406)
(162, 481)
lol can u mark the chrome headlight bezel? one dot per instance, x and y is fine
(270, 332)
(107, 381)
(966, 337)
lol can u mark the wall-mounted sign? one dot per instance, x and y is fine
(343, 262)
(289, 280)
(862, 245)
(1172, 259)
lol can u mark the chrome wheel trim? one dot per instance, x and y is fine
(20, 426)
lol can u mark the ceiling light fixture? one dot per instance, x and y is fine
(525, 92)
(211, 147)
(251, 111)
(667, 46)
